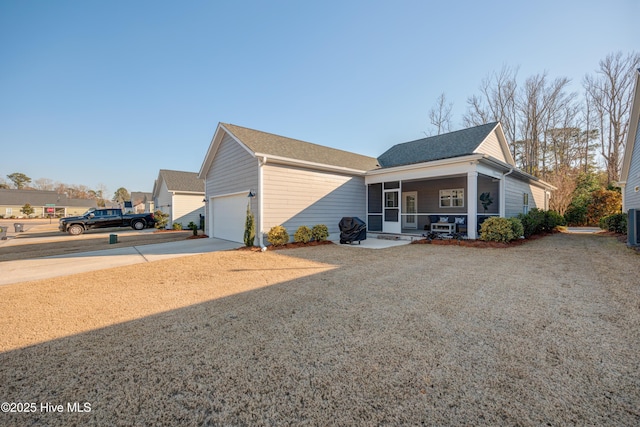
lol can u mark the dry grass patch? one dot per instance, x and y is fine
(543, 333)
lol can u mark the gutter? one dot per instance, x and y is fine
(261, 162)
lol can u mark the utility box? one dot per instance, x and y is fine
(113, 238)
(633, 227)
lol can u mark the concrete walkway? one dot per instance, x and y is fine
(64, 265)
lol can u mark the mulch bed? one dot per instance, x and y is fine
(287, 246)
(478, 243)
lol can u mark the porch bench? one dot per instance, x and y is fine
(448, 224)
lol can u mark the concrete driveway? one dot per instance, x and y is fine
(64, 265)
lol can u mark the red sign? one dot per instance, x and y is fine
(51, 210)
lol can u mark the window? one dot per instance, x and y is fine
(452, 198)
(391, 199)
(9, 211)
(525, 203)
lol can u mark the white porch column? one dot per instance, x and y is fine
(472, 200)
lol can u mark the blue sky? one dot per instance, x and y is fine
(108, 93)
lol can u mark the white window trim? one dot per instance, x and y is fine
(386, 193)
(449, 197)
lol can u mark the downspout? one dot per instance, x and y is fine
(503, 195)
(261, 162)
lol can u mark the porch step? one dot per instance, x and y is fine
(393, 236)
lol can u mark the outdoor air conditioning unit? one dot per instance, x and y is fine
(633, 227)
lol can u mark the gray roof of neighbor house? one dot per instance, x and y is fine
(453, 144)
(138, 197)
(41, 198)
(275, 145)
(182, 181)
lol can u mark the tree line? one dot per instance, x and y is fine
(553, 133)
(20, 181)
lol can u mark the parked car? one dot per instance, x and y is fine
(105, 218)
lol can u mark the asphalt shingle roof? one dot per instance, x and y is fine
(182, 181)
(275, 145)
(445, 146)
(41, 198)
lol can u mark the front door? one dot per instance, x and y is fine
(410, 209)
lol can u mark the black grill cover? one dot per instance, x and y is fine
(352, 229)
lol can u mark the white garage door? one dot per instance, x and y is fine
(229, 214)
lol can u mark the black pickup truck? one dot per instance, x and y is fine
(104, 218)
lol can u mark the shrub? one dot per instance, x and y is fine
(496, 229)
(249, 228)
(603, 203)
(177, 226)
(161, 218)
(302, 234)
(516, 227)
(552, 219)
(278, 235)
(194, 227)
(616, 223)
(27, 209)
(320, 232)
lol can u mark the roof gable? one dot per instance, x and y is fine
(260, 143)
(474, 140)
(632, 133)
(181, 181)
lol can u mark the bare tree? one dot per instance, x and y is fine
(440, 115)
(609, 93)
(44, 184)
(497, 102)
(540, 106)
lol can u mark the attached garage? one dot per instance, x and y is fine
(228, 216)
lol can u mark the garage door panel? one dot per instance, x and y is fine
(229, 217)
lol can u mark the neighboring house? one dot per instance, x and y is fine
(630, 175)
(44, 204)
(180, 195)
(141, 202)
(405, 190)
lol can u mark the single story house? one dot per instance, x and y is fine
(141, 202)
(44, 204)
(180, 195)
(457, 179)
(630, 174)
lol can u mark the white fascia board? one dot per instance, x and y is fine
(634, 117)
(517, 172)
(434, 169)
(504, 145)
(194, 193)
(311, 165)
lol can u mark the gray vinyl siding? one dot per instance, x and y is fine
(233, 170)
(429, 194)
(491, 146)
(632, 197)
(514, 191)
(297, 196)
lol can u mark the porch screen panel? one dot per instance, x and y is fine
(375, 198)
(374, 222)
(391, 215)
